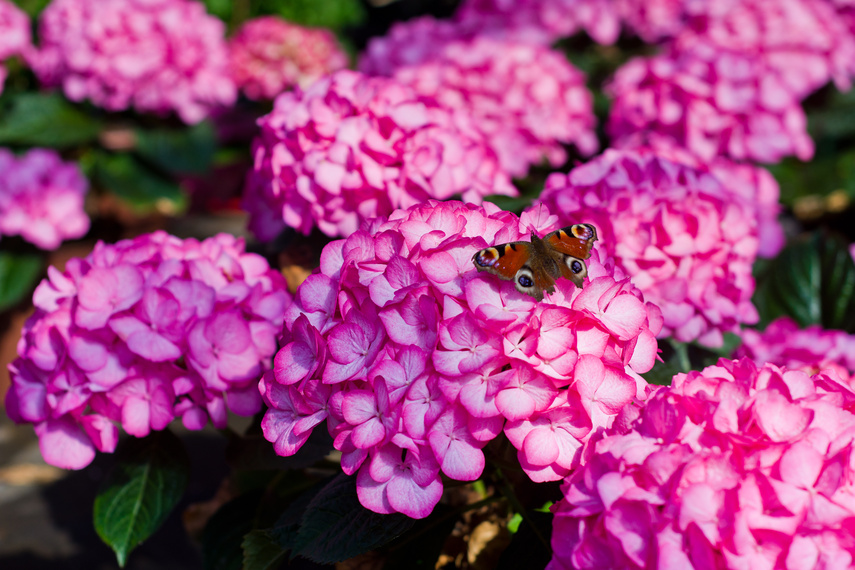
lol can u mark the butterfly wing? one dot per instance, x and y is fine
(512, 261)
(573, 245)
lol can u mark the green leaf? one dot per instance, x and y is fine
(32, 7)
(812, 281)
(420, 548)
(335, 14)
(139, 186)
(526, 550)
(18, 275)
(261, 552)
(253, 451)
(225, 531)
(336, 526)
(178, 151)
(138, 494)
(46, 119)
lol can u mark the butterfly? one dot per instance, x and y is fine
(534, 266)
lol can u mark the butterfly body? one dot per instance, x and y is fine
(534, 266)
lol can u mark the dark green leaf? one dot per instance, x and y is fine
(526, 550)
(419, 548)
(18, 275)
(178, 151)
(138, 494)
(252, 451)
(140, 187)
(261, 552)
(46, 119)
(335, 14)
(675, 359)
(225, 531)
(811, 281)
(336, 526)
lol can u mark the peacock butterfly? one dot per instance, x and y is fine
(534, 266)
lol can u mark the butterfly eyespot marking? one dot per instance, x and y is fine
(487, 257)
(525, 281)
(576, 266)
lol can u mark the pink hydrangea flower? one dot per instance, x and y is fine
(527, 99)
(269, 55)
(736, 466)
(654, 20)
(41, 198)
(547, 20)
(685, 238)
(751, 183)
(151, 55)
(711, 101)
(803, 43)
(139, 333)
(811, 349)
(14, 34)
(350, 147)
(416, 360)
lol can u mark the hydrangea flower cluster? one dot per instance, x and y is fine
(525, 98)
(416, 360)
(14, 34)
(736, 466)
(41, 197)
(351, 147)
(655, 20)
(547, 20)
(142, 332)
(710, 101)
(269, 55)
(812, 349)
(686, 240)
(752, 183)
(153, 55)
(803, 43)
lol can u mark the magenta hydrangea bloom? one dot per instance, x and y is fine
(139, 333)
(732, 467)
(14, 34)
(654, 20)
(269, 55)
(151, 55)
(547, 20)
(803, 43)
(525, 98)
(41, 197)
(416, 360)
(351, 147)
(685, 238)
(711, 101)
(812, 349)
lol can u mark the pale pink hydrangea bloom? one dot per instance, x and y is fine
(547, 19)
(416, 360)
(811, 349)
(151, 55)
(733, 467)
(686, 239)
(711, 101)
(269, 55)
(351, 147)
(14, 34)
(41, 197)
(525, 98)
(139, 333)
